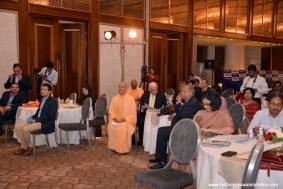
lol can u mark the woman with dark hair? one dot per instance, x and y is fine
(213, 118)
(151, 77)
(87, 92)
(250, 105)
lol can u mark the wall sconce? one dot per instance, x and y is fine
(108, 35)
(132, 34)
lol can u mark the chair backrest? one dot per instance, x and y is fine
(184, 141)
(100, 106)
(230, 101)
(252, 165)
(228, 93)
(86, 108)
(170, 92)
(238, 113)
(73, 96)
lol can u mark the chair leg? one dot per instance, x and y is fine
(34, 141)
(60, 136)
(67, 135)
(47, 141)
(56, 140)
(6, 132)
(88, 137)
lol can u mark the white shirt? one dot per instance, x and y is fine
(53, 76)
(263, 119)
(258, 83)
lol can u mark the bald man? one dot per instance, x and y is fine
(122, 118)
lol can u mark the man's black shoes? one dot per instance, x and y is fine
(159, 165)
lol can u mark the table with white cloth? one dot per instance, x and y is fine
(151, 124)
(67, 114)
(216, 171)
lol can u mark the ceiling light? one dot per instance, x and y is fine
(132, 34)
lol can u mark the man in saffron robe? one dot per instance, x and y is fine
(122, 118)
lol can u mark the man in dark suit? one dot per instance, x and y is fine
(43, 119)
(183, 110)
(198, 92)
(10, 102)
(204, 86)
(155, 99)
(23, 80)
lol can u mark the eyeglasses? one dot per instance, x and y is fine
(274, 104)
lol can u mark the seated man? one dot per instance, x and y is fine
(122, 118)
(181, 85)
(271, 117)
(10, 102)
(154, 99)
(43, 119)
(183, 110)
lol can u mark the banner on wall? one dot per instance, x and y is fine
(234, 78)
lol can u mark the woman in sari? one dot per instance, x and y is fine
(250, 105)
(213, 118)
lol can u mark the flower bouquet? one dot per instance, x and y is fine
(274, 136)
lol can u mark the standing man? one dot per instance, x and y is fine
(135, 92)
(10, 102)
(23, 80)
(154, 99)
(43, 119)
(122, 118)
(49, 75)
(183, 110)
(256, 82)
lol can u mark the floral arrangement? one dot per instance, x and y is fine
(274, 135)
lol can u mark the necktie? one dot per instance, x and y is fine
(152, 101)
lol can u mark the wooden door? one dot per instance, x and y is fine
(73, 63)
(43, 40)
(166, 54)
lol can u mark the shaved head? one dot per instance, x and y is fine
(122, 88)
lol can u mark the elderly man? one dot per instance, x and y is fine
(255, 81)
(271, 117)
(23, 80)
(152, 98)
(181, 85)
(10, 102)
(43, 119)
(135, 91)
(183, 110)
(122, 118)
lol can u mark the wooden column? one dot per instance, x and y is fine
(93, 45)
(23, 16)
(189, 53)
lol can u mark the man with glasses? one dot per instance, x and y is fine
(23, 80)
(271, 117)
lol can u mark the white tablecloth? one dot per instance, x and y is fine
(66, 115)
(207, 167)
(151, 124)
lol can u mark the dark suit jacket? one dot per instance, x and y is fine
(48, 115)
(187, 110)
(160, 100)
(24, 84)
(18, 100)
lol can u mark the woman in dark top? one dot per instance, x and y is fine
(88, 92)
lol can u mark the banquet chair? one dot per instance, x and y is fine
(230, 101)
(252, 165)
(170, 92)
(7, 125)
(39, 132)
(83, 125)
(228, 93)
(73, 96)
(184, 144)
(100, 110)
(238, 114)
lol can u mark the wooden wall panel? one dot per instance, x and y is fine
(277, 58)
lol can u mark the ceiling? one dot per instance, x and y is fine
(203, 40)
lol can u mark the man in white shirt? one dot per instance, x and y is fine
(271, 117)
(49, 75)
(255, 81)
